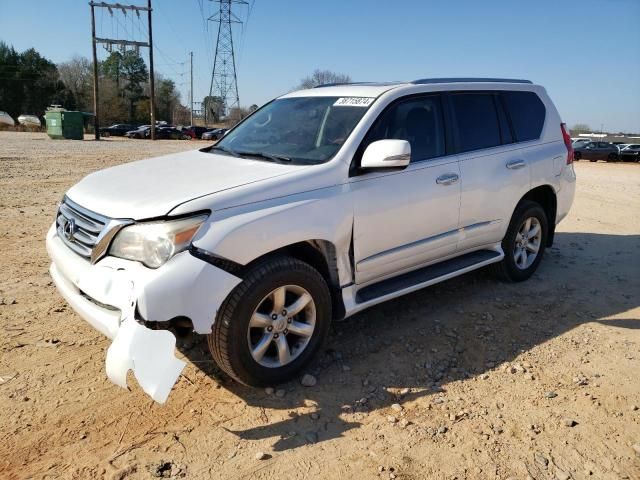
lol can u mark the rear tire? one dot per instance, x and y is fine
(577, 156)
(247, 319)
(517, 266)
(613, 157)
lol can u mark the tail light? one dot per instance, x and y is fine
(567, 143)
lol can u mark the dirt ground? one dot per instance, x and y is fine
(470, 379)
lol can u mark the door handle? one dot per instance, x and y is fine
(447, 179)
(516, 164)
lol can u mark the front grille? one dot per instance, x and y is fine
(79, 228)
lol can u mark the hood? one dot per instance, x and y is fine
(153, 187)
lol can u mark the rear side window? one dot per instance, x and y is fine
(527, 114)
(477, 121)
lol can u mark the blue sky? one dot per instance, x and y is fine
(586, 53)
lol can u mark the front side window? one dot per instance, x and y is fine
(477, 121)
(417, 120)
(304, 130)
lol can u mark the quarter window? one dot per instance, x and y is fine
(477, 121)
(527, 114)
(419, 121)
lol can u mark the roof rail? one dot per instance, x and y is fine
(382, 84)
(423, 81)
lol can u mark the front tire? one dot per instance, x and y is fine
(524, 243)
(272, 323)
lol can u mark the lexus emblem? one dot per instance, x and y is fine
(69, 229)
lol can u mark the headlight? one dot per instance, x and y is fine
(153, 243)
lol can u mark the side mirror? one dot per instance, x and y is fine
(387, 154)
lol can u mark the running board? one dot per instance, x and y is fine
(423, 277)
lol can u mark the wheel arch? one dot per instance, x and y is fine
(545, 196)
(321, 255)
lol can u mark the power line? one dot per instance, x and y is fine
(124, 43)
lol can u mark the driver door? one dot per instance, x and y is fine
(407, 218)
(590, 151)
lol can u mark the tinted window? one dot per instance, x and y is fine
(527, 114)
(505, 128)
(477, 121)
(417, 120)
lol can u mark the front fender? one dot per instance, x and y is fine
(247, 232)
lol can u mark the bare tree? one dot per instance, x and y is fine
(579, 128)
(77, 76)
(322, 77)
(235, 115)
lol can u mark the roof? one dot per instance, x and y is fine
(375, 89)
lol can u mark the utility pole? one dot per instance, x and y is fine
(224, 81)
(191, 88)
(152, 82)
(96, 103)
(125, 43)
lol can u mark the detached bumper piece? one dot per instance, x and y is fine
(149, 354)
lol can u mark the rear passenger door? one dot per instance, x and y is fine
(495, 173)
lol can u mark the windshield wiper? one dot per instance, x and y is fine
(267, 156)
(225, 150)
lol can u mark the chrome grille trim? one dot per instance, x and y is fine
(87, 233)
(79, 228)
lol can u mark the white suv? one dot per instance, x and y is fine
(320, 204)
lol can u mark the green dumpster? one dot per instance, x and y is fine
(64, 124)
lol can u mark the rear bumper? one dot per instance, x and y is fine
(109, 294)
(566, 193)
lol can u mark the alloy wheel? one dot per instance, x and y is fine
(527, 243)
(281, 326)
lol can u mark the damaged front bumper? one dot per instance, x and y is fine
(110, 293)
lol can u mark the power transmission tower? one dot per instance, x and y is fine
(224, 81)
(124, 43)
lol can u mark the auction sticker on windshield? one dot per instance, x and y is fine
(354, 102)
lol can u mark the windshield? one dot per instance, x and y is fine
(302, 130)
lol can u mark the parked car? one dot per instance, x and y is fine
(630, 153)
(194, 131)
(215, 134)
(142, 132)
(595, 151)
(117, 130)
(6, 119)
(319, 205)
(171, 133)
(31, 121)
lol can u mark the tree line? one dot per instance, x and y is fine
(29, 83)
